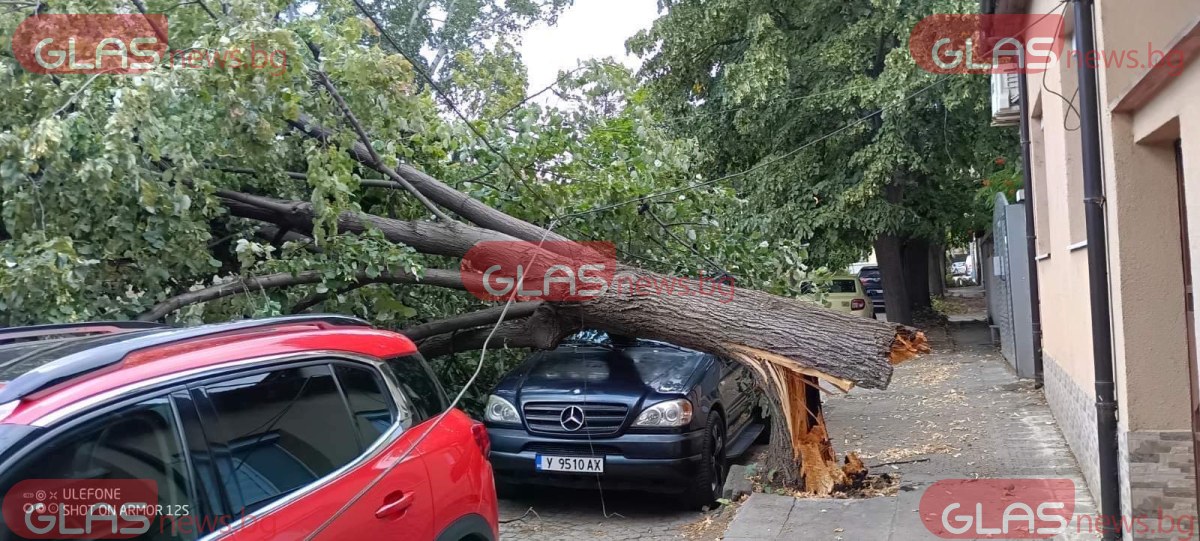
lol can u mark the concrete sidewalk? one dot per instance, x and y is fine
(958, 413)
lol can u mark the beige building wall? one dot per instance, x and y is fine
(1062, 259)
(1150, 332)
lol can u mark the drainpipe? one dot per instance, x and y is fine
(1035, 302)
(1093, 201)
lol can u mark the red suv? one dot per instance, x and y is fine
(256, 429)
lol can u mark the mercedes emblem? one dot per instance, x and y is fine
(571, 418)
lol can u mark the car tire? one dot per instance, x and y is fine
(709, 482)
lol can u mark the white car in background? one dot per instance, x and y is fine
(843, 293)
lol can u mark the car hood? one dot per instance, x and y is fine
(606, 374)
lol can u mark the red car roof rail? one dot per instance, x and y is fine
(101, 356)
(10, 334)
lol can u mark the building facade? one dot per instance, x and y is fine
(1149, 94)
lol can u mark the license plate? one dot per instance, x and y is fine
(570, 464)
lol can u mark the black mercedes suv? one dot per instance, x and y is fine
(623, 414)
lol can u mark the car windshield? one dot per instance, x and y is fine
(576, 364)
(665, 367)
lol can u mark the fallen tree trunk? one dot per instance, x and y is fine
(842, 349)
(790, 344)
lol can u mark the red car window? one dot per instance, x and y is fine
(370, 405)
(140, 441)
(284, 429)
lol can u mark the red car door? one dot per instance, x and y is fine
(399, 506)
(293, 445)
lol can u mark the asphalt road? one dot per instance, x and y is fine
(560, 514)
(583, 515)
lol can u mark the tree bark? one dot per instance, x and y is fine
(543, 329)
(480, 318)
(937, 269)
(916, 273)
(889, 252)
(798, 336)
(720, 319)
(433, 238)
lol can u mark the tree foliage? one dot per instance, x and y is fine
(214, 191)
(111, 184)
(825, 99)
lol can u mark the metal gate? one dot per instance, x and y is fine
(1008, 285)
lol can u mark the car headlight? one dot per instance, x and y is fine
(671, 413)
(500, 410)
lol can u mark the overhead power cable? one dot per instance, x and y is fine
(445, 97)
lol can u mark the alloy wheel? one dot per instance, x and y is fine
(717, 462)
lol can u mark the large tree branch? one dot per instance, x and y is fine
(436, 277)
(310, 301)
(434, 238)
(447, 197)
(271, 233)
(543, 329)
(487, 316)
(365, 140)
(706, 316)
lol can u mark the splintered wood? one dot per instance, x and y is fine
(798, 390)
(810, 440)
(908, 345)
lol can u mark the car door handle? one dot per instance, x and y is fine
(395, 504)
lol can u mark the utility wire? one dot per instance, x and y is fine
(437, 88)
(1070, 102)
(433, 425)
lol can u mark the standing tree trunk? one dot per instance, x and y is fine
(937, 270)
(889, 251)
(916, 273)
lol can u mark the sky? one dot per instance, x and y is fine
(588, 29)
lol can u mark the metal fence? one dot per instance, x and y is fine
(1007, 280)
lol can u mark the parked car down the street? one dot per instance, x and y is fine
(623, 414)
(251, 430)
(871, 279)
(841, 293)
